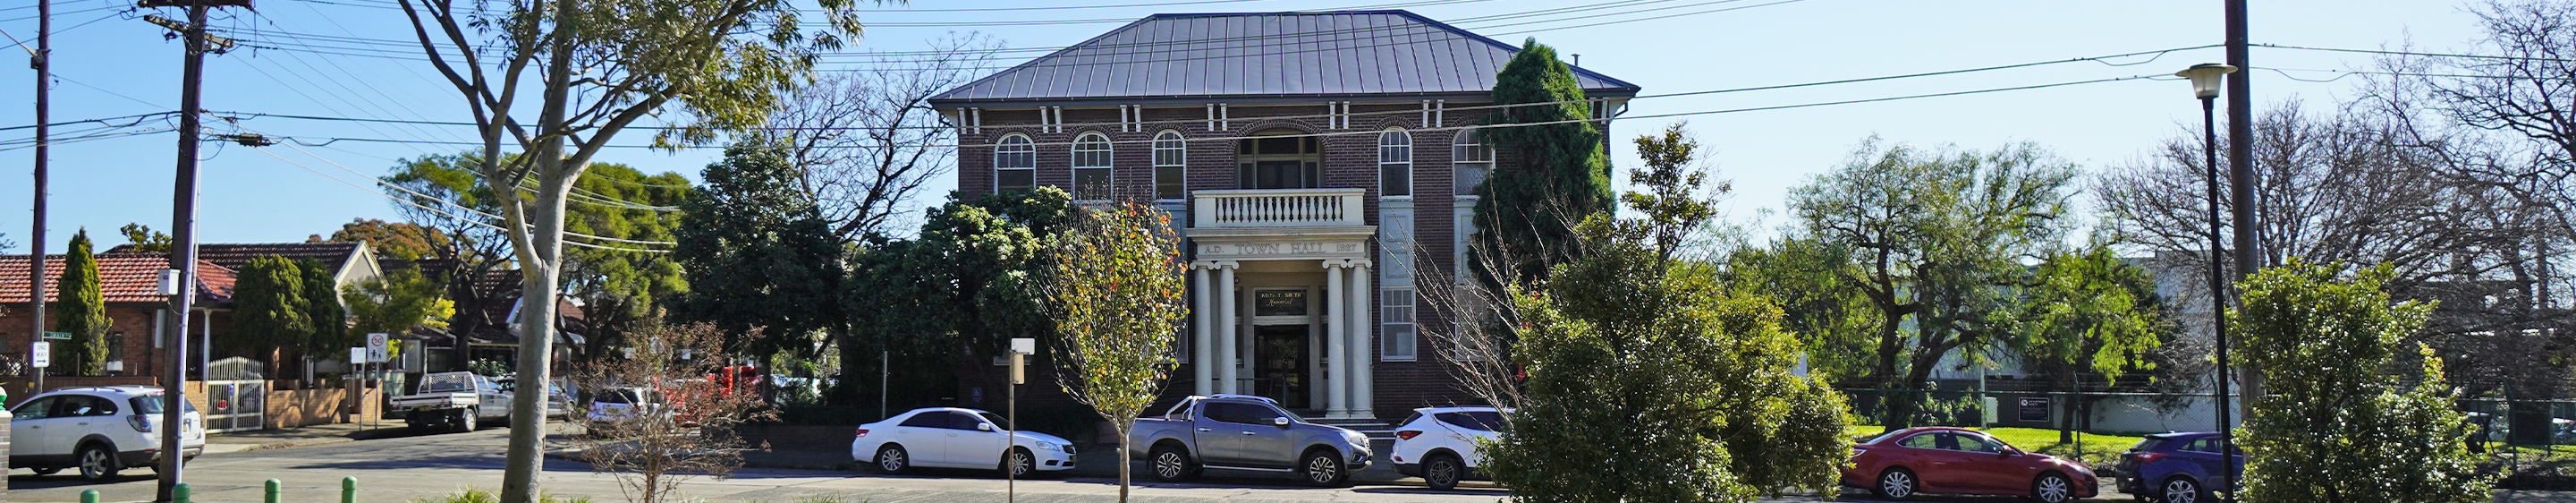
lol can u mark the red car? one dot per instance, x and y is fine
(1903, 463)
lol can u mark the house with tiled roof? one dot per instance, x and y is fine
(350, 261)
(137, 312)
(1320, 166)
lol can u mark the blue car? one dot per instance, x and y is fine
(2175, 468)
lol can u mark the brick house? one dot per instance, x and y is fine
(1321, 164)
(136, 311)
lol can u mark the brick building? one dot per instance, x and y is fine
(136, 311)
(1322, 165)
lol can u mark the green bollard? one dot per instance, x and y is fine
(179, 493)
(89, 496)
(349, 490)
(272, 491)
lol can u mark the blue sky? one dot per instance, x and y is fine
(111, 63)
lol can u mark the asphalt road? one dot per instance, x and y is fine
(420, 467)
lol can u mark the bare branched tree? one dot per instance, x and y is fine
(679, 422)
(867, 140)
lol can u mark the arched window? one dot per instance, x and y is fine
(1395, 164)
(1015, 163)
(1091, 172)
(1171, 161)
(1473, 158)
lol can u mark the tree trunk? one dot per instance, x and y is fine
(1124, 465)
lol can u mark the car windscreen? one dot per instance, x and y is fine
(446, 382)
(1882, 437)
(623, 396)
(1482, 420)
(151, 404)
(2149, 444)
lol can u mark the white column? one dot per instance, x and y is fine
(1336, 340)
(1202, 355)
(1364, 322)
(1226, 313)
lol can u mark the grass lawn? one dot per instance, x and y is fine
(2100, 450)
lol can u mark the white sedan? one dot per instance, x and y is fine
(1439, 443)
(948, 437)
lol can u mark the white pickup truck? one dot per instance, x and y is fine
(462, 399)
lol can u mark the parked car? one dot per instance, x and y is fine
(1246, 433)
(99, 430)
(463, 399)
(559, 398)
(620, 403)
(1439, 443)
(1905, 463)
(2176, 467)
(949, 437)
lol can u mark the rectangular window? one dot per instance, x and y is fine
(1091, 184)
(1016, 179)
(1171, 154)
(1395, 179)
(1396, 325)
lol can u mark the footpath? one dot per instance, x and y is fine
(299, 437)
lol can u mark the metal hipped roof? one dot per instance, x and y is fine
(1284, 54)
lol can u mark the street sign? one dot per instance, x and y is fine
(58, 336)
(376, 347)
(357, 355)
(1021, 348)
(42, 356)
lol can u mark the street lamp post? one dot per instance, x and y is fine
(2204, 85)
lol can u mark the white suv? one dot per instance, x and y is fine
(1439, 443)
(99, 430)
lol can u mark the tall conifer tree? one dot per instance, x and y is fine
(81, 310)
(1525, 219)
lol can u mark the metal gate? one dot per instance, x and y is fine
(236, 395)
(235, 405)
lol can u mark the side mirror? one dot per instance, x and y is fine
(1279, 422)
(983, 426)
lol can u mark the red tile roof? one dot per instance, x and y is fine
(123, 277)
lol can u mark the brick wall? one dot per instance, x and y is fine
(132, 320)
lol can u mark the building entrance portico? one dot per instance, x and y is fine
(1282, 311)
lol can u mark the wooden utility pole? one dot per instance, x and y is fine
(36, 238)
(2240, 180)
(183, 225)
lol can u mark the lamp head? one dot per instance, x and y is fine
(2204, 78)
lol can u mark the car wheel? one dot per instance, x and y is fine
(466, 418)
(1897, 484)
(1442, 472)
(2052, 488)
(97, 462)
(1020, 462)
(2180, 490)
(1170, 464)
(892, 460)
(1322, 468)
(47, 471)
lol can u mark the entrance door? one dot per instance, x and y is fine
(1279, 368)
(1281, 175)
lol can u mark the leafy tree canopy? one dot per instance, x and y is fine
(1629, 342)
(757, 254)
(400, 240)
(144, 239)
(2335, 425)
(269, 310)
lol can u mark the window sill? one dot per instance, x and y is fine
(1384, 359)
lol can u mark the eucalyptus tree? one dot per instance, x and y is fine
(599, 67)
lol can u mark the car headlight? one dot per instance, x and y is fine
(1045, 445)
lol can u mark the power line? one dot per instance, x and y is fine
(2096, 59)
(408, 202)
(2159, 76)
(2414, 53)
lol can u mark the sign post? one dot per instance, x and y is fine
(375, 359)
(1021, 348)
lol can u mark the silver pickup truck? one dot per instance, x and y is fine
(463, 399)
(1249, 434)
